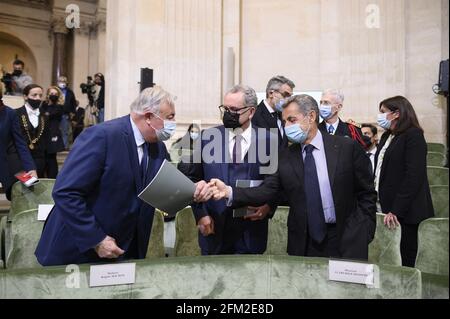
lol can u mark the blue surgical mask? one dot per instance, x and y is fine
(325, 111)
(296, 134)
(279, 105)
(383, 121)
(165, 133)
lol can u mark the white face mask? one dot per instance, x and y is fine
(62, 85)
(194, 135)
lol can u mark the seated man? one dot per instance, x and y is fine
(97, 213)
(238, 152)
(328, 184)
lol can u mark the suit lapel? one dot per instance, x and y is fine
(387, 154)
(225, 154)
(132, 152)
(331, 154)
(342, 129)
(296, 160)
(154, 162)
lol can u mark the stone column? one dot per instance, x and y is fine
(59, 48)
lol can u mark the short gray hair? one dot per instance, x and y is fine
(277, 82)
(151, 99)
(336, 93)
(306, 104)
(250, 98)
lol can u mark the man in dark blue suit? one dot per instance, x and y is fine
(239, 152)
(11, 137)
(97, 213)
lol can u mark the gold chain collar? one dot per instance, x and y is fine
(25, 125)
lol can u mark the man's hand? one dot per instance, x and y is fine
(32, 173)
(203, 192)
(108, 249)
(259, 212)
(206, 226)
(391, 221)
(220, 189)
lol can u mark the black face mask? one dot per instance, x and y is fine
(53, 98)
(231, 120)
(35, 104)
(17, 73)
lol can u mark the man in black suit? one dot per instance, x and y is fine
(331, 104)
(268, 113)
(328, 184)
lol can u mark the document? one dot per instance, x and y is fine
(349, 271)
(244, 211)
(112, 274)
(170, 190)
(44, 211)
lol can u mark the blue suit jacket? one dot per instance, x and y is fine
(228, 228)
(96, 195)
(10, 133)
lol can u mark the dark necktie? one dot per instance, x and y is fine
(144, 163)
(331, 129)
(237, 149)
(316, 219)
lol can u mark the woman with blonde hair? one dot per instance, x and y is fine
(53, 109)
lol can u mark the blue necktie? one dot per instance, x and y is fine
(316, 219)
(144, 163)
(331, 129)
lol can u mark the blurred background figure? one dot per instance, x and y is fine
(78, 121)
(53, 109)
(68, 110)
(370, 133)
(99, 80)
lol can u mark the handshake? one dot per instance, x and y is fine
(215, 189)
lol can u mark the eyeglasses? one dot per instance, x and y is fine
(284, 94)
(224, 109)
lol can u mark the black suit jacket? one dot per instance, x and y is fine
(70, 103)
(353, 194)
(54, 114)
(264, 119)
(404, 189)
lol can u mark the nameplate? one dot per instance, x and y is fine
(112, 275)
(43, 212)
(348, 271)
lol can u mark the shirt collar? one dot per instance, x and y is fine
(269, 108)
(246, 135)
(334, 125)
(137, 134)
(317, 142)
(31, 111)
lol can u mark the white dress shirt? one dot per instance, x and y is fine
(371, 155)
(33, 115)
(326, 194)
(245, 142)
(139, 140)
(271, 111)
